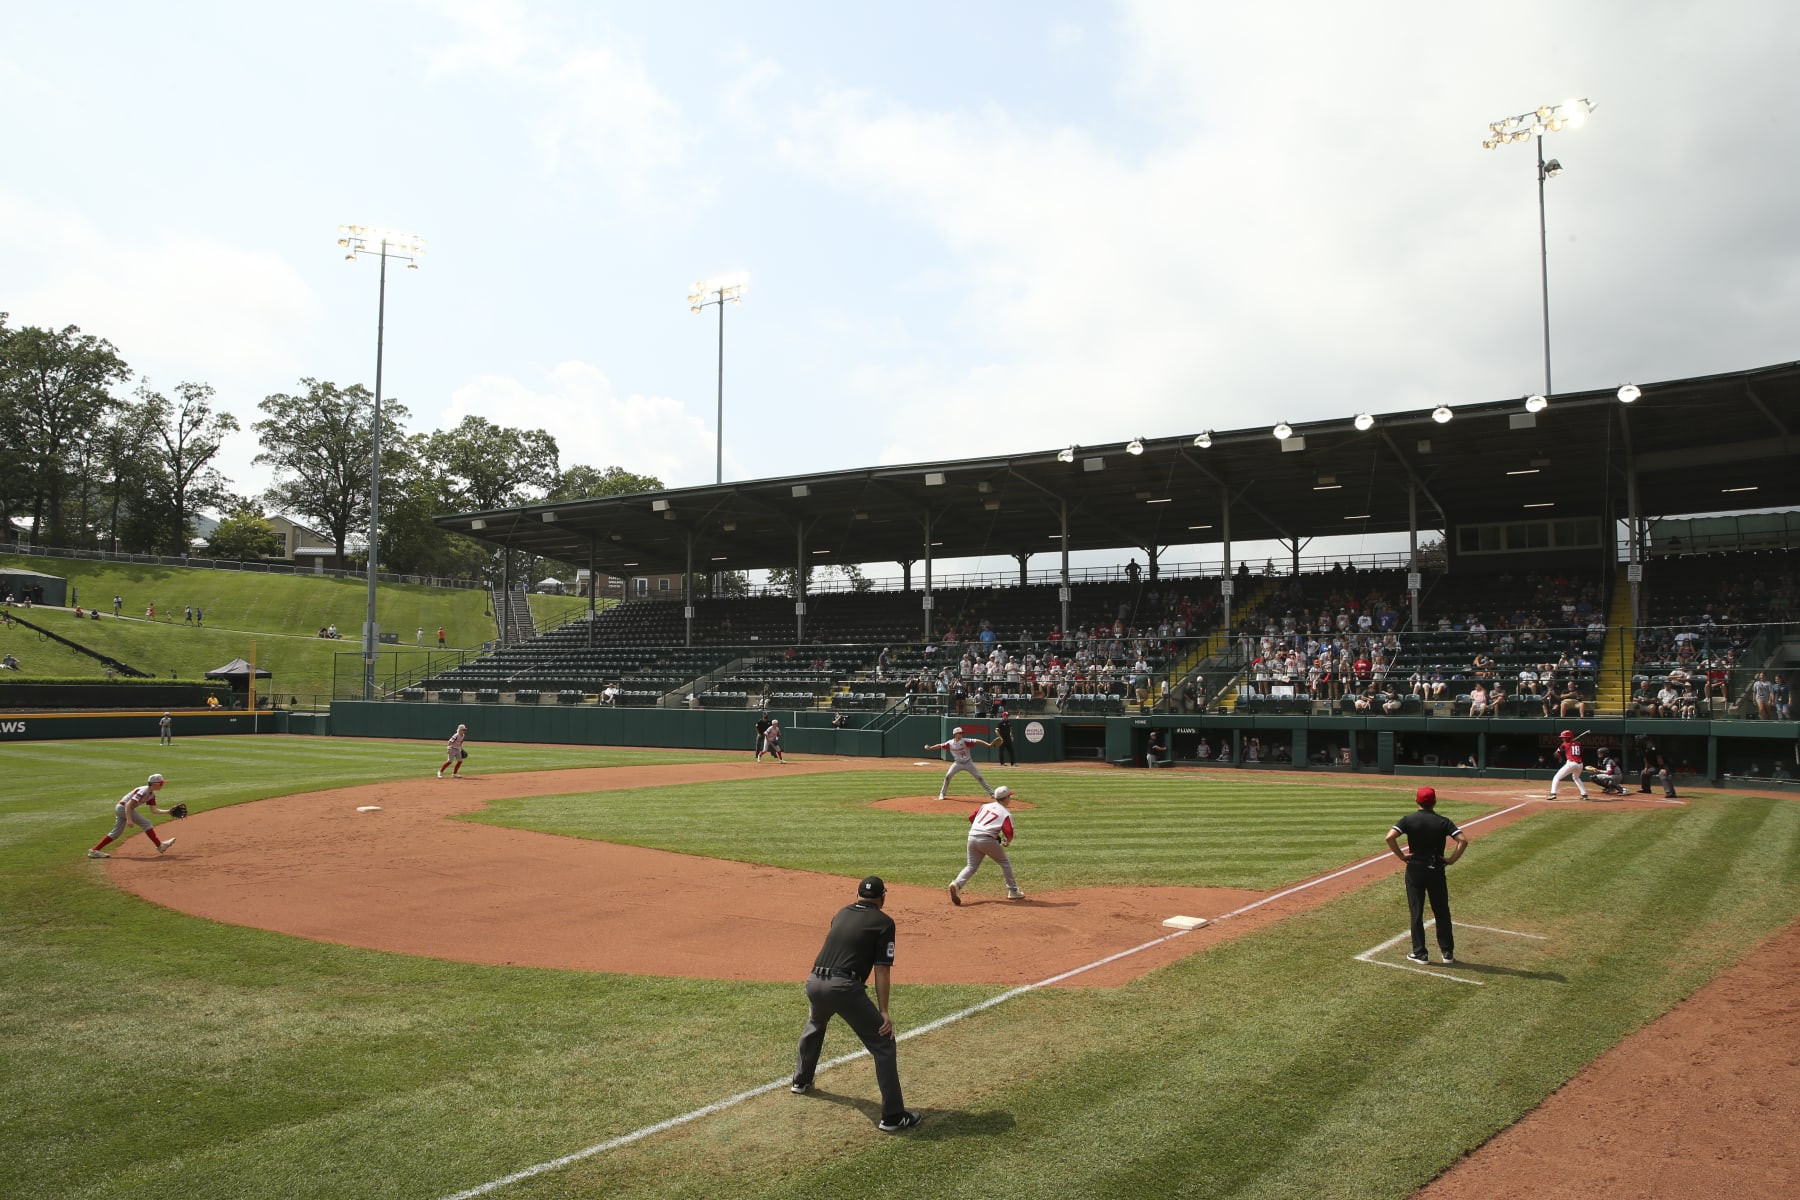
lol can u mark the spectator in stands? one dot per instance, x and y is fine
(1390, 704)
(9, 663)
(1528, 681)
(1478, 700)
(440, 637)
(1204, 751)
(1762, 694)
(1668, 700)
(1783, 699)
(609, 695)
(1643, 701)
(1552, 698)
(1596, 632)
(1575, 704)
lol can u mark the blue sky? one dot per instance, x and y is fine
(970, 228)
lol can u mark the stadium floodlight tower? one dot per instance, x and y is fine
(371, 240)
(719, 290)
(1535, 126)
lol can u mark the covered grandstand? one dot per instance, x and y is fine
(1534, 611)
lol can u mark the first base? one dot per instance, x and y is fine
(1184, 923)
(368, 808)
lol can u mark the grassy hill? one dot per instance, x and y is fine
(275, 618)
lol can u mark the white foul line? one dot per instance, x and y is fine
(638, 1135)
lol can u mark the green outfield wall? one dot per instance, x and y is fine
(49, 726)
(1495, 747)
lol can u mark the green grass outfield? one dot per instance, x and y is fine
(281, 614)
(150, 1054)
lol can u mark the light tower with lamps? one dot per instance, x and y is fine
(720, 290)
(1535, 126)
(359, 240)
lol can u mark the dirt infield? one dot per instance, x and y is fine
(409, 880)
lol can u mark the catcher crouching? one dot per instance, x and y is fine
(130, 810)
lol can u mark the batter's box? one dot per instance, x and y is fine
(1441, 972)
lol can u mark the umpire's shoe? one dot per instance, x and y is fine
(906, 1120)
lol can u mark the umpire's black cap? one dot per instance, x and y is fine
(871, 888)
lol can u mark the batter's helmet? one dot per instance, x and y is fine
(1567, 733)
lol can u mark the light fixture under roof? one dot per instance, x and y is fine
(1284, 431)
(1629, 393)
(1066, 454)
(1134, 446)
(1365, 421)
(1204, 440)
(1536, 404)
(1441, 414)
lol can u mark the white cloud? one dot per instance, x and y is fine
(577, 405)
(218, 308)
(595, 101)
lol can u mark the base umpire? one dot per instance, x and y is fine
(860, 944)
(1426, 832)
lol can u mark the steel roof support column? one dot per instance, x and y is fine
(925, 601)
(1023, 557)
(687, 593)
(1412, 541)
(1063, 591)
(593, 586)
(799, 583)
(1225, 581)
(505, 605)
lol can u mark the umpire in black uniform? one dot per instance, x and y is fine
(1426, 832)
(860, 944)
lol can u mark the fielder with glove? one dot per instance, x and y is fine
(990, 832)
(129, 811)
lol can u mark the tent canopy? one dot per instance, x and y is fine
(237, 668)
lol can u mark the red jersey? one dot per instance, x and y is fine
(1571, 751)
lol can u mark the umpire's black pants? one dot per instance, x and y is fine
(1425, 881)
(1007, 752)
(846, 997)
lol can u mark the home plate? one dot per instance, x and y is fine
(1184, 923)
(368, 808)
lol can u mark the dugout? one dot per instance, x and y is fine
(51, 591)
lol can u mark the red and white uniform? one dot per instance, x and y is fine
(990, 828)
(1571, 768)
(126, 810)
(961, 759)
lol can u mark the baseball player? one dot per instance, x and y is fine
(1570, 753)
(990, 831)
(454, 753)
(772, 740)
(128, 811)
(762, 735)
(961, 759)
(1611, 776)
(165, 730)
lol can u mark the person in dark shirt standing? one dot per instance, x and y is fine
(860, 944)
(1426, 832)
(1003, 740)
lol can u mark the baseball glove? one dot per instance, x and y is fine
(178, 811)
(462, 754)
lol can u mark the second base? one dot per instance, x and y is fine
(1184, 923)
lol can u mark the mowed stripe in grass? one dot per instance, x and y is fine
(1086, 829)
(159, 1055)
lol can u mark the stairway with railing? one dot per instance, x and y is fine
(1612, 689)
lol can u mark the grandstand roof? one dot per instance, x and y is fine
(1695, 445)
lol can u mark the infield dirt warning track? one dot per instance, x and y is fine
(408, 879)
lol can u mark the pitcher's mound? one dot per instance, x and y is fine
(961, 806)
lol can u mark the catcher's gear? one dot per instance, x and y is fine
(178, 811)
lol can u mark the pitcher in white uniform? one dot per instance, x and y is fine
(990, 830)
(961, 759)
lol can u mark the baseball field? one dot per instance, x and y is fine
(577, 973)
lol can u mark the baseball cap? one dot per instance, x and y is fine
(871, 888)
(1003, 792)
(956, 731)
(154, 779)
(1426, 796)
